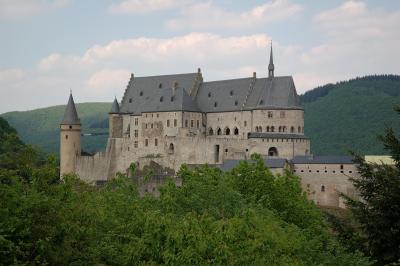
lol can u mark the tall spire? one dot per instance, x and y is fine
(115, 107)
(70, 115)
(271, 66)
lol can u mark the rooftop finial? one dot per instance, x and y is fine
(271, 66)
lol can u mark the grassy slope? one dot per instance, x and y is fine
(41, 126)
(351, 115)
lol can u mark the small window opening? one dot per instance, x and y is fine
(322, 188)
(209, 95)
(236, 103)
(236, 131)
(231, 93)
(161, 99)
(141, 93)
(66, 136)
(160, 85)
(130, 100)
(215, 104)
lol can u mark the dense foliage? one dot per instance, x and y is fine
(348, 115)
(379, 211)
(41, 126)
(245, 216)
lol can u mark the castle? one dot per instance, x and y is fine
(180, 119)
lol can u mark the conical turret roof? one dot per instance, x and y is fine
(70, 115)
(115, 107)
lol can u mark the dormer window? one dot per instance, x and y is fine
(236, 103)
(261, 102)
(172, 98)
(231, 93)
(161, 99)
(209, 95)
(160, 85)
(215, 104)
(141, 93)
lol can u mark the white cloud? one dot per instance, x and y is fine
(206, 15)
(10, 9)
(108, 79)
(143, 6)
(354, 40)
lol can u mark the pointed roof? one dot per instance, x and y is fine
(70, 115)
(115, 107)
(271, 66)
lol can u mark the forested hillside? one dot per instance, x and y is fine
(350, 114)
(339, 117)
(41, 126)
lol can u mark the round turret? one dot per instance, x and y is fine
(70, 139)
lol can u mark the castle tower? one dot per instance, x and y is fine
(115, 121)
(271, 66)
(70, 139)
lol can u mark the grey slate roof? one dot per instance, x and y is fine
(275, 135)
(144, 95)
(115, 107)
(70, 115)
(270, 163)
(329, 159)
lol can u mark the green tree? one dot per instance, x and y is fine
(379, 210)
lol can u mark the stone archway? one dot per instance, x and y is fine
(273, 152)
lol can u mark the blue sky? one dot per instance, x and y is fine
(49, 47)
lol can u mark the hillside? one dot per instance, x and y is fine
(350, 114)
(339, 117)
(41, 126)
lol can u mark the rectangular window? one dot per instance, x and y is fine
(145, 125)
(146, 142)
(135, 144)
(245, 123)
(191, 123)
(136, 121)
(175, 122)
(136, 133)
(186, 123)
(155, 142)
(168, 123)
(270, 114)
(198, 123)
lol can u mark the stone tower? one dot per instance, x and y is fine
(70, 139)
(115, 121)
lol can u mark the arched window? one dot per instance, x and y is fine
(273, 151)
(227, 131)
(210, 131)
(299, 129)
(284, 129)
(280, 129)
(267, 129)
(260, 129)
(219, 131)
(322, 188)
(292, 130)
(171, 147)
(236, 131)
(272, 129)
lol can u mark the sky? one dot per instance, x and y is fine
(49, 47)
